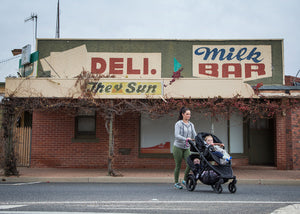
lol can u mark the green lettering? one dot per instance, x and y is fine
(93, 85)
(131, 86)
(99, 88)
(141, 88)
(108, 89)
(151, 87)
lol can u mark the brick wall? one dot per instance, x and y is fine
(295, 137)
(289, 143)
(281, 154)
(287, 140)
(52, 144)
(289, 80)
(293, 131)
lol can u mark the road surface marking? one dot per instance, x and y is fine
(152, 202)
(20, 184)
(5, 207)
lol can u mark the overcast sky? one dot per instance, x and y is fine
(150, 19)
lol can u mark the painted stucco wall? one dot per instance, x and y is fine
(182, 50)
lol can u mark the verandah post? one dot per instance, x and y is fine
(110, 144)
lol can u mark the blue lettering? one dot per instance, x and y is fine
(240, 53)
(214, 51)
(254, 56)
(221, 54)
(229, 56)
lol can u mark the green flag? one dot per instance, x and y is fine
(177, 65)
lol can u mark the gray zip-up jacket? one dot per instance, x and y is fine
(182, 132)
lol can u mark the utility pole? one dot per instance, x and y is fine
(57, 21)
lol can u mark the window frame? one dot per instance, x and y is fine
(85, 134)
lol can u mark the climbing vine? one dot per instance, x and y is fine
(251, 108)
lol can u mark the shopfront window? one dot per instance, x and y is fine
(85, 124)
(157, 135)
(217, 126)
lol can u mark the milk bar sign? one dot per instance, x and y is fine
(232, 61)
(247, 60)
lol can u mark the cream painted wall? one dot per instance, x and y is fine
(181, 88)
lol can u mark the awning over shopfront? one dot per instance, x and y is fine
(274, 91)
(114, 88)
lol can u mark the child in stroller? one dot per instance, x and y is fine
(214, 175)
(217, 150)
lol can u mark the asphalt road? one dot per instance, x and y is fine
(143, 198)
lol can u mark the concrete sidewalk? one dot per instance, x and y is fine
(245, 175)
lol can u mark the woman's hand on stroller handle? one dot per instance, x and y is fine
(191, 141)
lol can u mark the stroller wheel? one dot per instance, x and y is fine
(191, 183)
(213, 187)
(231, 187)
(217, 188)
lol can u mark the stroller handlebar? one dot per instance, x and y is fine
(192, 142)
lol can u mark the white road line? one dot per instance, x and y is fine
(5, 207)
(29, 183)
(20, 184)
(53, 212)
(152, 202)
(292, 208)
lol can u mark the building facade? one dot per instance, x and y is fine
(157, 70)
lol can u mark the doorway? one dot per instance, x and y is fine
(22, 138)
(261, 142)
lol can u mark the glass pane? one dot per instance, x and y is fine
(86, 112)
(260, 124)
(216, 126)
(86, 124)
(157, 135)
(236, 133)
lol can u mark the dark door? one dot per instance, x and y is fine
(261, 142)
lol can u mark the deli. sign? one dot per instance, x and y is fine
(248, 62)
(71, 62)
(132, 65)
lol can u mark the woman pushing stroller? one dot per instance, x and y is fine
(184, 131)
(184, 134)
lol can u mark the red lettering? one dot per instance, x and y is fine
(115, 66)
(95, 62)
(146, 65)
(237, 70)
(210, 69)
(258, 67)
(130, 70)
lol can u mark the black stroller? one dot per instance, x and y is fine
(214, 175)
